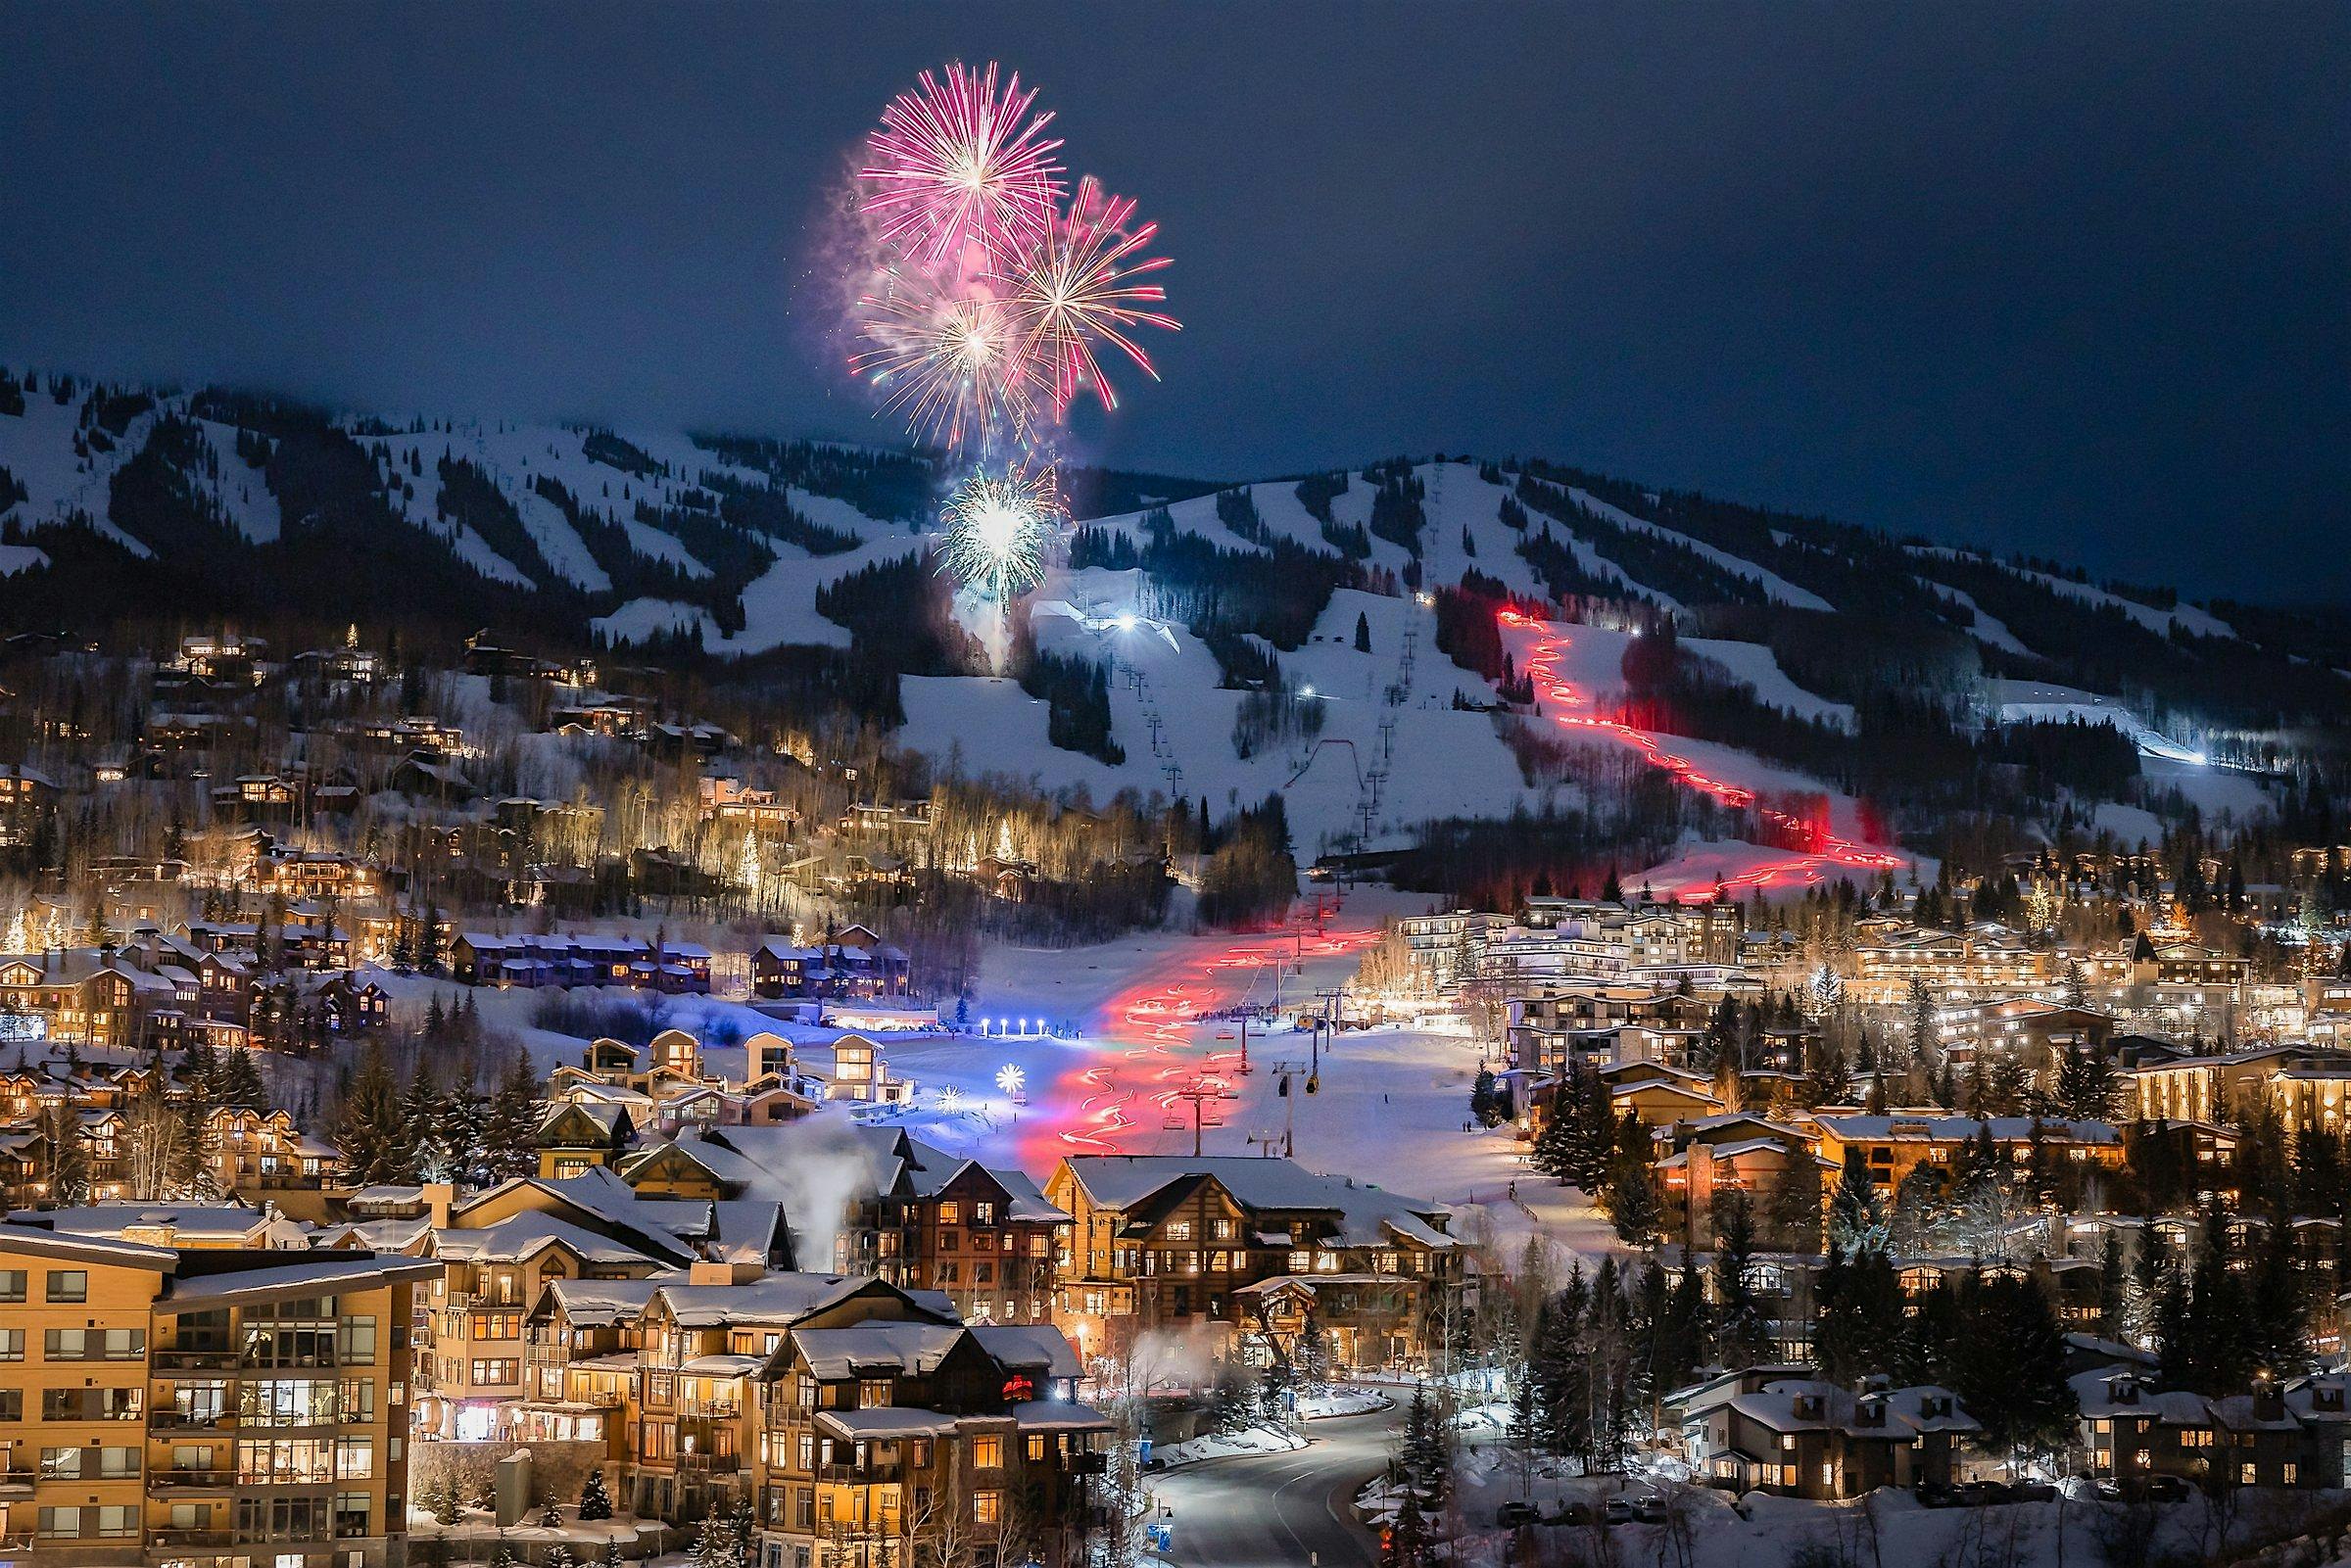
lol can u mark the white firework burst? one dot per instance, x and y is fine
(998, 526)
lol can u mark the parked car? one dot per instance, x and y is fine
(1510, 1515)
(1937, 1494)
(1984, 1494)
(1651, 1510)
(2154, 1488)
(1618, 1511)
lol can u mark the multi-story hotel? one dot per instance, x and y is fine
(215, 1407)
(1165, 1240)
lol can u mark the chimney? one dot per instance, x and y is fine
(718, 1271)
(438, 1197)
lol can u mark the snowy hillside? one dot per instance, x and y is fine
(1277, 635)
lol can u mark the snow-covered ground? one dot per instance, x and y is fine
(1176, 723)
(1775, 586)
(2184, 616)
(1987, 628)
(2021, 701)
(1144, 1010)
(1714, 1530)
(1224, 1445)
(1760, 668)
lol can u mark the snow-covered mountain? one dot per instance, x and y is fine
(1285, 635)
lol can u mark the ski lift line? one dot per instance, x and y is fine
(1331, 740)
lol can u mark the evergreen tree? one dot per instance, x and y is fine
(1741, 1335)
(1857, 1219)
(241, 1083)
(2007, 1364)
(595, 1503)
(1558, 1365)
(1920, 1004)
(1629, 1193)
(371, 1130)
(1522, 1430)
(1858, 1314)
(1687, 1339)
(423, 1149)
(2084, 1086)
(512, 1122)
(1425, 1462)
(1481, 1098)
(2114, 1288)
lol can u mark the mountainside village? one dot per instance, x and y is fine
(1984, 1183)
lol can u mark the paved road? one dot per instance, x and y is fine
(1272, 1511)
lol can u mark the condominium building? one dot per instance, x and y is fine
(212, 1407)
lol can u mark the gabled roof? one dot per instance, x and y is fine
(1365, 1215)
(1028, 1347)
(773, 1300)
(908, 1348)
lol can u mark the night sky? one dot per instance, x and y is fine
(2067, 278)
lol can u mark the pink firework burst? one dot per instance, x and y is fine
(1079, 289)
(951, 362)
(954, 166)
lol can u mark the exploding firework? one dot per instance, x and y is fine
(990, 302)
(997, 528)
(953, 363)
(954, 167)
(1078, 287)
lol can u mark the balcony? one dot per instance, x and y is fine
(18, 1483)
(193, 1421)
(191, 1480)
(192, 1538)
(196, 1359)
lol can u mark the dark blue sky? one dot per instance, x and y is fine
(2068, 278)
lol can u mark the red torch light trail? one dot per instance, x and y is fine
(1572, 709)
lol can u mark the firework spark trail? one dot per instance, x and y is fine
(954, 170)
(1543, 664)
(952, 362)
(1079, 286)
(990, 305)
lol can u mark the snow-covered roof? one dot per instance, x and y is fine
(1367, 1215)
(1961, 1129)
(1058, 1415)
(600, 1302)
(774, 1298)
(1030, 1345)
(1830, 1407)
(317, 1274)
(110, 1219)
(912, 1350)
(884, 1421)
(526, 1235)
